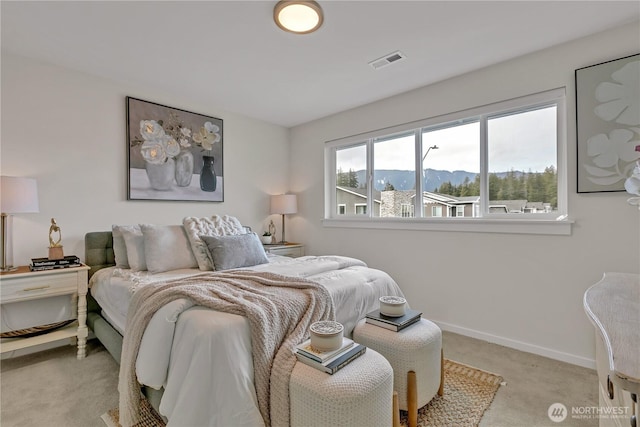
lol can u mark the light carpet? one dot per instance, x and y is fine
(468, 392)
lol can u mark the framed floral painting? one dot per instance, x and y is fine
(608, 123)
(173, 154)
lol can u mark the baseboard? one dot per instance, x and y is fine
(519, 345)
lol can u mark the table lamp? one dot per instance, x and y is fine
(17, 195)
(284, 204)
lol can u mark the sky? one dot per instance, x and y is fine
(525, 141)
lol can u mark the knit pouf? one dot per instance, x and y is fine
(358, 395)
(417, 348)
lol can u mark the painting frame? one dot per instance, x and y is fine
(173, 154)
(607, 123)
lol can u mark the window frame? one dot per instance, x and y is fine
(556, 222)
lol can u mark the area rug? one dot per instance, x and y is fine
(468, 392)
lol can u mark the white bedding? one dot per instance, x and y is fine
(202, 357)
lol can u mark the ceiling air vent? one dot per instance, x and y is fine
(387, 60)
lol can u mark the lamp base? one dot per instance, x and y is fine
(8, 269)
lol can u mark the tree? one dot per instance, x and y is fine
(347, 179)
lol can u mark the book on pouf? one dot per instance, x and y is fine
(335, 363)
(393, 323)
(322, 356)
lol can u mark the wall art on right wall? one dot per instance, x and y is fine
(607, 123)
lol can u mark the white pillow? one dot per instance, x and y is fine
(215, 226)
(134, 241)
(119, 248)
(166, 247)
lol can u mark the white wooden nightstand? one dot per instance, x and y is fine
(25, 285)
(293, 250)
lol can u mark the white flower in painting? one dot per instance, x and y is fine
(150, 129)
(171, 146)
(211, 127)
(207, 136)
(606, 151)
(153, 152)
(621, 100)
(632, 184)
(185, 134)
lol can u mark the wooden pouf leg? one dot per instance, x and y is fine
(441, 389)
(396, 410)
(412, 399)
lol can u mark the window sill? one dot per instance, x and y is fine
(471, 225)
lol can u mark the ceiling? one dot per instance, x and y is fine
(232, 55)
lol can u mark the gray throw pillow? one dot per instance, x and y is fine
(243, 250)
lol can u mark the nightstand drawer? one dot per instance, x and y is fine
(290, 250)
(38, 285)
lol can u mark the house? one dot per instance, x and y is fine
(63, 123)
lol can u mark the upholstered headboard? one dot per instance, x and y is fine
(98, 250)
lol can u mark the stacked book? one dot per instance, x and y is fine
(39, 264)
(393, 323)
(329, 361)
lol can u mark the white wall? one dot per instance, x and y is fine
(67, 130)
(518, 290)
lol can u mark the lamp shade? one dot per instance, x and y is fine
(284, 204)
(18, 195)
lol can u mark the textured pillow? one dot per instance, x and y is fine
(134, 242)
(166, 247)
(244, 250)
(119, 248)
(215, 226)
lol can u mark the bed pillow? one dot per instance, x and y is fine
(166, 247)
(215, 226)
(119, 248)
(134, 242)
(243, 250)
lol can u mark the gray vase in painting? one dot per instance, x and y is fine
(162, 176)
(208, 180)
(184, 168)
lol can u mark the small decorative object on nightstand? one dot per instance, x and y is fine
(25, 285)
(55, 247)
(266, 238)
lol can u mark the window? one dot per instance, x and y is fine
(504, 161)
(407, 210)
(342, 209)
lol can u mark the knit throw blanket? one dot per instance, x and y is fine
(279, 308)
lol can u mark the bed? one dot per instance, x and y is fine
(195, 363)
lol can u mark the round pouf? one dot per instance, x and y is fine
(416, 348)
(359, 394)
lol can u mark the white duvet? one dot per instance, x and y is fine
(202, 357)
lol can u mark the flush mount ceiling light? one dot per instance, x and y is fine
(300, 17)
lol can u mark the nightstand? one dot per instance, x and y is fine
(293, 250)
(25, 285)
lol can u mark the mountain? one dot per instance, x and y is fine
(405, 180)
